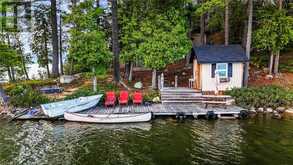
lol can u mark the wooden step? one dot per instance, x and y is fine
(181, 101)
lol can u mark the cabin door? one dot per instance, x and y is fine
(196, 74)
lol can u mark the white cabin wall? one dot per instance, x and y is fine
(209, 83)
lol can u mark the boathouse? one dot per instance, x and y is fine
(217, 67)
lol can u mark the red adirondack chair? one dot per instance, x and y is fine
(137, 98)
(110, 99)
(123, 98)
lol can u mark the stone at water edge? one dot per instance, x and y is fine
(252, 110)
(281, 109)
(290, 110)
(138, 85)
(269, 110)
(156, 99)
(260, 109)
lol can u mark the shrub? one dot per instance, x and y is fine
(31, 83)
(26, 96)
(150, 95)
(266, 96)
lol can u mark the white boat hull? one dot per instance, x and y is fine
(57, 109)
(108, 118)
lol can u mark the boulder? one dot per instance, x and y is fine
(138, 85)
(66, 79)
(281, 109)
(269, 110)
(289, 110)
(260, 109)
(252, 110)
(156, 100)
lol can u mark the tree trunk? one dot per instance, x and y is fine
(47, 56)
(248, 40)
(24, 68)
(202, 29)
(60, 45)
(226, 28)
(94, 80)
(55, 63)
(130, 72)
(127, 70)
(271, 63)
(277, 57)
(12, 73)
(48, 70)
(154, 79)
(276, 64)
(9, 74)
(115, 43)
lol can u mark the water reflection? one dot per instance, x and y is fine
(219, 141)
(34, 141)
(255, 141)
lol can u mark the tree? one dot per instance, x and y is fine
(24, 58)
(42, 34)
(226, 29)
(209, 6)
(165, 41)
(248, 40)
(88, 46)
(9, 59)
(115, 42)
(55, 63)
(274, 32)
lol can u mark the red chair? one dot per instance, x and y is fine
(123, 98)
(110, 99)
(137, 98)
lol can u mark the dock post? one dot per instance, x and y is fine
(176, 81)
(159, 84)
(162, 80)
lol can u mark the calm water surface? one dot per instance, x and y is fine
(255, 141)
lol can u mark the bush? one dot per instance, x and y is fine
(266, 96)
(26, 96)
(31, 83)
(149, 96)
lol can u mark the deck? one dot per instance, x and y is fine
(188, 109)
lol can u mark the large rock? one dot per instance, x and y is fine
(66, 79)
(138, 85)
(156, 100)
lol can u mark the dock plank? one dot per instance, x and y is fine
(168, 109)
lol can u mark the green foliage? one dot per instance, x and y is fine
(150, 95)
(26, 96)
(210, 5)
(165, 39)
(274, 31)
(88, 44)
(9, 56)
(42, 35)
(30, 83)
(267, 96)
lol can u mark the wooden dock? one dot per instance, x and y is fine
(187, 109)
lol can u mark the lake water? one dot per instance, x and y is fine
(260, 140)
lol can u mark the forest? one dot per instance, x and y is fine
(69, 37)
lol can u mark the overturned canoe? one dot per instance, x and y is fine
(108, 118)
(57, 109)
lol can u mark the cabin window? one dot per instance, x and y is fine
(222, 69)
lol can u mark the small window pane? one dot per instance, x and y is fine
(221, 66)
(222, 73)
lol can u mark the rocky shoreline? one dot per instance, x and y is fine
(277, 113)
